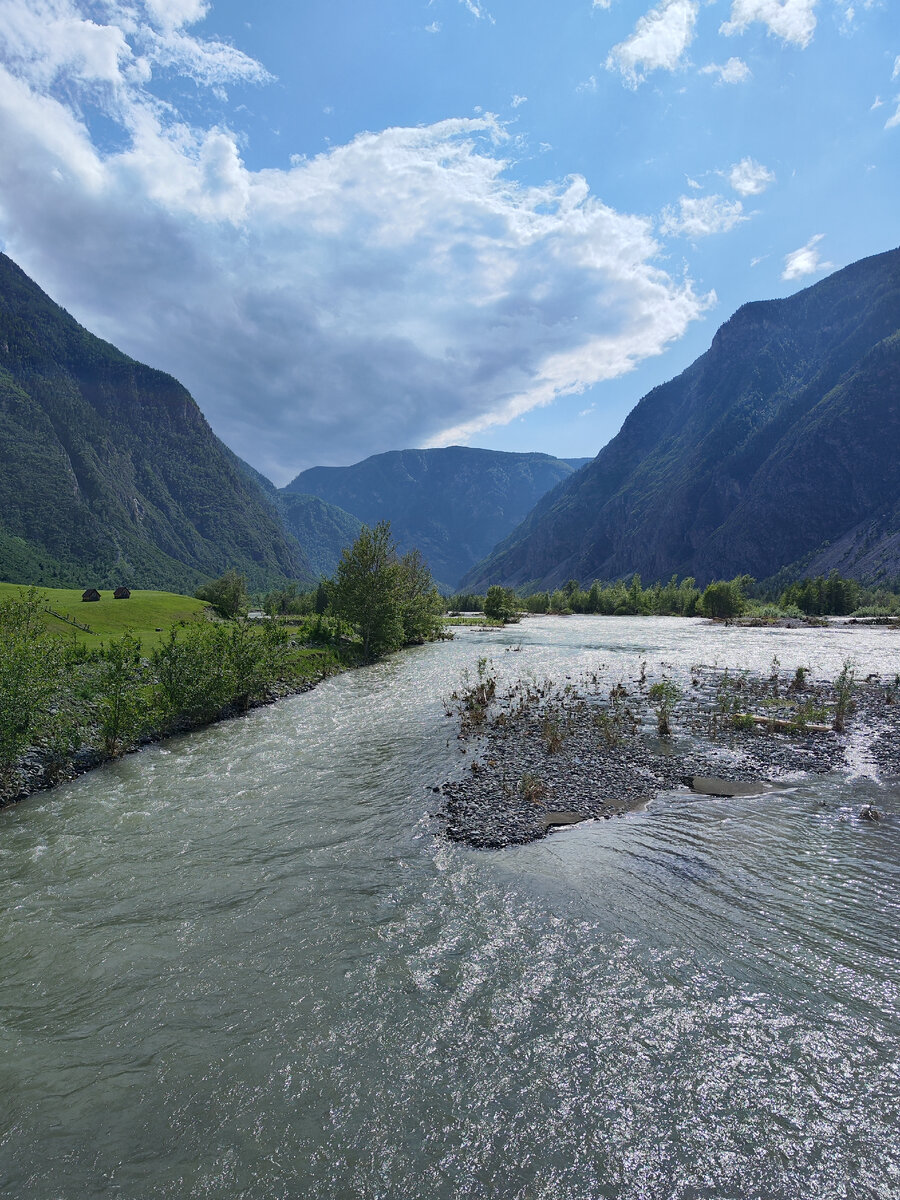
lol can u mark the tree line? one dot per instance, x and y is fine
(833, 595)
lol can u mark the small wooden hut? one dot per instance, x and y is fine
(90, 594)
(121, 593)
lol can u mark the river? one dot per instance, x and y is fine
(245, 964)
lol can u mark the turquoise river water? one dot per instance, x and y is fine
(245, 964)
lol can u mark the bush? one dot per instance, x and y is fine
(121, 704)
(32, 670)
(663, 696)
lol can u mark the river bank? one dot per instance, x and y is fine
(547, 755)
(40, 768)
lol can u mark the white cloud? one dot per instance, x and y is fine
(175, 14)
(587, 85)
(659, 41)
(894, 121)
(792, 20)
(805, 261)
(47, 40)
(477, 10)
(601, 3)
(733, 71)
(434, 27)
(896, 72)
(876, 103)
(749, 178)
(400, 289)
(700, 216)
(517, 100)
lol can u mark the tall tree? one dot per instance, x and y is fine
(421, 606)
(367, 590)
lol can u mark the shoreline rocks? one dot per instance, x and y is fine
(544, 759)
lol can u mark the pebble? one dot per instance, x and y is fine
(487, 809)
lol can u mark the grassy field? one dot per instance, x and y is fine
(148, 615)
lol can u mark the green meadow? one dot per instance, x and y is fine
(148, 615)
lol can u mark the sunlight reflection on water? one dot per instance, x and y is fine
(243, 964)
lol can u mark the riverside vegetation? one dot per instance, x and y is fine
(723, 599)
(66, 706)
(70, 702)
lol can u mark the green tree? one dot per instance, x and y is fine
(421, 606)
(559, 602)
(723, 599)
(227, 595)
(320, 604)
(367, 590)
(501, 603)
(537, 602)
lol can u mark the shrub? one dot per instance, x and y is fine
(532, 788)
(32, 670)
(663, 696)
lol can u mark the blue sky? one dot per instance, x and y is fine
(354, 227)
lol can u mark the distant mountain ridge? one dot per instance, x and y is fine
(322, 529)
(109, 473)
(452, 503)
(778, 448)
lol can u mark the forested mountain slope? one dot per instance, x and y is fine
(322, 529)
(453, 503)
(779, 447)
(109, 472)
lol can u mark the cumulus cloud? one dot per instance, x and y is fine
(791, 20)
(659, 41)
(733, 71)
(402, 289)
(700, 216)
(749, 178)
(805, 261)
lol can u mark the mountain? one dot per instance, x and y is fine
(322, 529)
(109, 472)
(778, 448)
(453, 504)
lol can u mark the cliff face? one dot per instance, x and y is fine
(453, 504)
(110, 472)
(776, 447)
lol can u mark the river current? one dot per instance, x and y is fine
(244, 963)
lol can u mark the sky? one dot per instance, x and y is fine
(351, 227)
